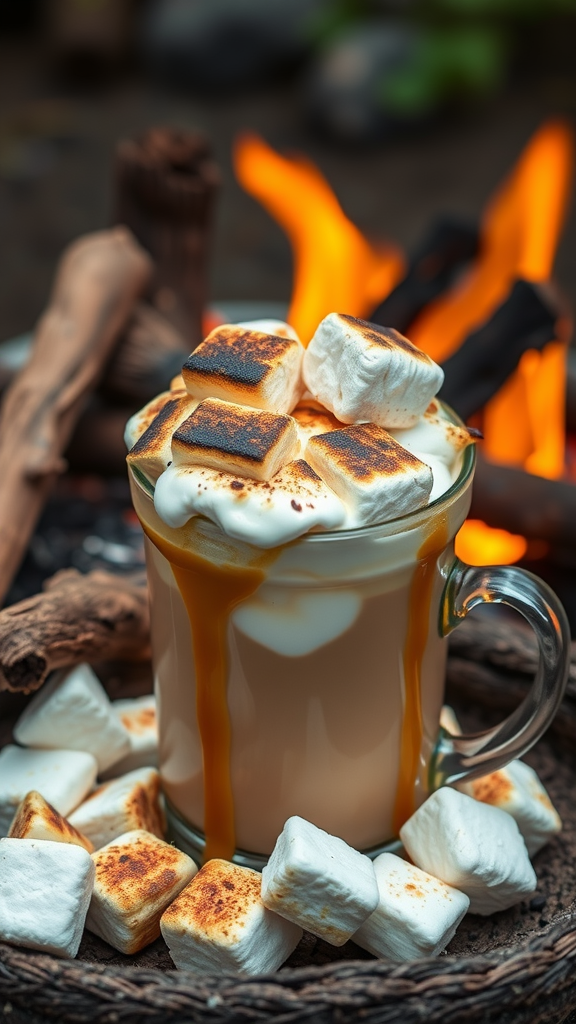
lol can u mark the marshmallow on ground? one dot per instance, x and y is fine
(138, 717)
(73, 710)
(472, 846)
(319, 882)
(122, 805)
(235, 439)
(37, 819)
(240, 364)
(361, 371)
(265, 513)
(137, 877)
(374, 476)
(63, 777)
(517, 790)
(218, 922)
(152, 451)
(45, 890)
(417, 914)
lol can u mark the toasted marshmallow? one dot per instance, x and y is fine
(138, 717)
(312, 418)
(45, 890)
(141, 420)
(137, 877)
(438, 442)
(517, 790)
(319, 882)
(361, 371)
(471, 846)
(73, 710)
(235, 439)
(152, 451)
(36, 819)
(243, 365)
(219, 923)
(374, 476)
(122, 805)
(63, 777)
(263, 513)
(417, 914)
(277, 327)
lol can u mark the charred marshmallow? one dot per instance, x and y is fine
(137, 876)
(152, 451)
(63, 777)
(373, 475)
(471, 846)
(73, 710)
(122, 805)
(438, 442)
(235, 439)
(517, 790)
(319, 882)
(138, 717)
(141, 420)
(37, 819)
(417, 914)
(265, 513)
(361, 371)
(277, 327)
(312, 418)
(45, 890)
(248, 366)
(219, 923)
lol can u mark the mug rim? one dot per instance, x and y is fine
(397, 525)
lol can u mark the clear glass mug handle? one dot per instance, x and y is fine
(459, 757)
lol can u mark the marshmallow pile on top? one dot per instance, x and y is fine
(271, 440)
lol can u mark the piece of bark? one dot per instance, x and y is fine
(166, 183)
(148, 355)
(98, 281)
(77, 618)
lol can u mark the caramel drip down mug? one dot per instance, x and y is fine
(309, 679)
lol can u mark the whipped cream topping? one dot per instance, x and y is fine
(295, 499)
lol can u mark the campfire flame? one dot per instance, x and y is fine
(336, 268)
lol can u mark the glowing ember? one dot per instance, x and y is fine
(335, 267)
(479, 544)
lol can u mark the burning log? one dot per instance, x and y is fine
(98, 281)
(529, 318)
(166, 185)
(446, 249)
(77, 618)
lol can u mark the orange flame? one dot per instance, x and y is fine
(336, 268)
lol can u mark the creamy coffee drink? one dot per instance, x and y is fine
(295, 597)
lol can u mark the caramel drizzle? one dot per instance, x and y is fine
(210, 593)
(416, 639)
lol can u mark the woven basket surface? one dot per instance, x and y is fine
(516, 966)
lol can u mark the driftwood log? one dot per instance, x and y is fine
(97, 617)
(98, 281)
(166, 184)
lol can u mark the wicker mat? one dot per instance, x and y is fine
(516, 966)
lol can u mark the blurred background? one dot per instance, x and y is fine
(411, 111)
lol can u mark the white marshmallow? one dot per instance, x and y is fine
(374, 476)
(122, 805)
(37, 819)
(152, 450)
(255, 368)
(278, 327)
(138, 717)
(417, 914)
(63, 777)
(263, 513)
(319, 882)
(362, 372)
(472, 846)
(45, 890)
(73, 710)
(219, 923)
(517, 790)
(137, 877)
(294, 623)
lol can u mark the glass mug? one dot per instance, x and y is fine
(309, 679)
